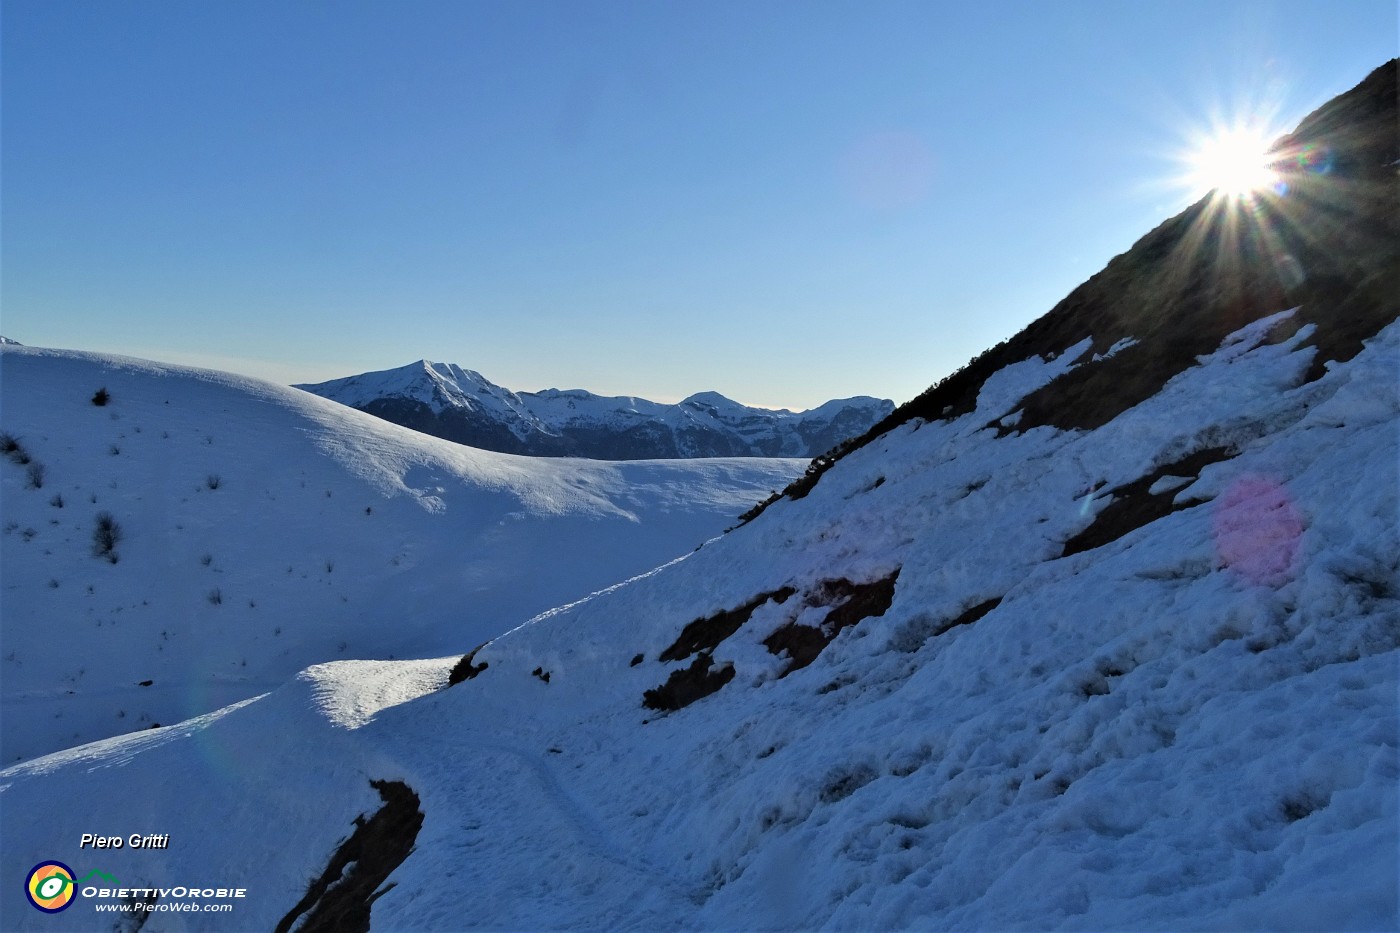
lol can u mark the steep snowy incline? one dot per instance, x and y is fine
(261, 529)
(1140, 677)
(461, 405)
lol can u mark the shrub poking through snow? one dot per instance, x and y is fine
(106, 534)
(213, 481)
(13, 449)
(101, 397)
(36, 476)
(216, 597)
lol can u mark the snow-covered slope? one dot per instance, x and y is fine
(1192, 725)
(985, 670)
(461, 405)
(263, 529)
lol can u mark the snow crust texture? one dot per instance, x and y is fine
(1192, 725)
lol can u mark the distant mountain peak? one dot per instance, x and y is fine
(459, 404)
(711, 398)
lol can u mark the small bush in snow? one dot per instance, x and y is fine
(101, 397)
(216, 597)
(105, 536)
(36, 476)
(13, 449)
(57, 501)
(206, 560)
(213, 481)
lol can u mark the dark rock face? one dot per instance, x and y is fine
(451, 424)
(339, 901)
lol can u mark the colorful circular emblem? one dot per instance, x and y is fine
(50, 887)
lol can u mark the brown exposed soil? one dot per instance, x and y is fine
(851, 603)
(706, 634)
(801, 642)
(1133, 506)
(970, 616)
(339, 900)
(688, 684)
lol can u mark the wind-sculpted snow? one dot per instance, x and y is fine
(255, 529)
(1191, 725)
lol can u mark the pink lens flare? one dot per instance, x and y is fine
(888, 171)
(1258, 531)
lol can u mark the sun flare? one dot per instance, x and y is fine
(1233, 163)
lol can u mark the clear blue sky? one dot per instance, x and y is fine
(784, 202)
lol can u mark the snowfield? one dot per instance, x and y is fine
(263, 529)
(1142, 677)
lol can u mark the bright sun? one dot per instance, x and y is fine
(1232, 162)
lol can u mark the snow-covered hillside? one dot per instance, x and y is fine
(262, 529)
(459, 404)
(1190, 725)
(1100, 633)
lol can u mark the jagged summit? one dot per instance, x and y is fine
(461, 405)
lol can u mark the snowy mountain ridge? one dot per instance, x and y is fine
(261, 529)
(460, 404)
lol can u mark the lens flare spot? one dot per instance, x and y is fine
(1258, 531)
(888, 171)
(1315, 160)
